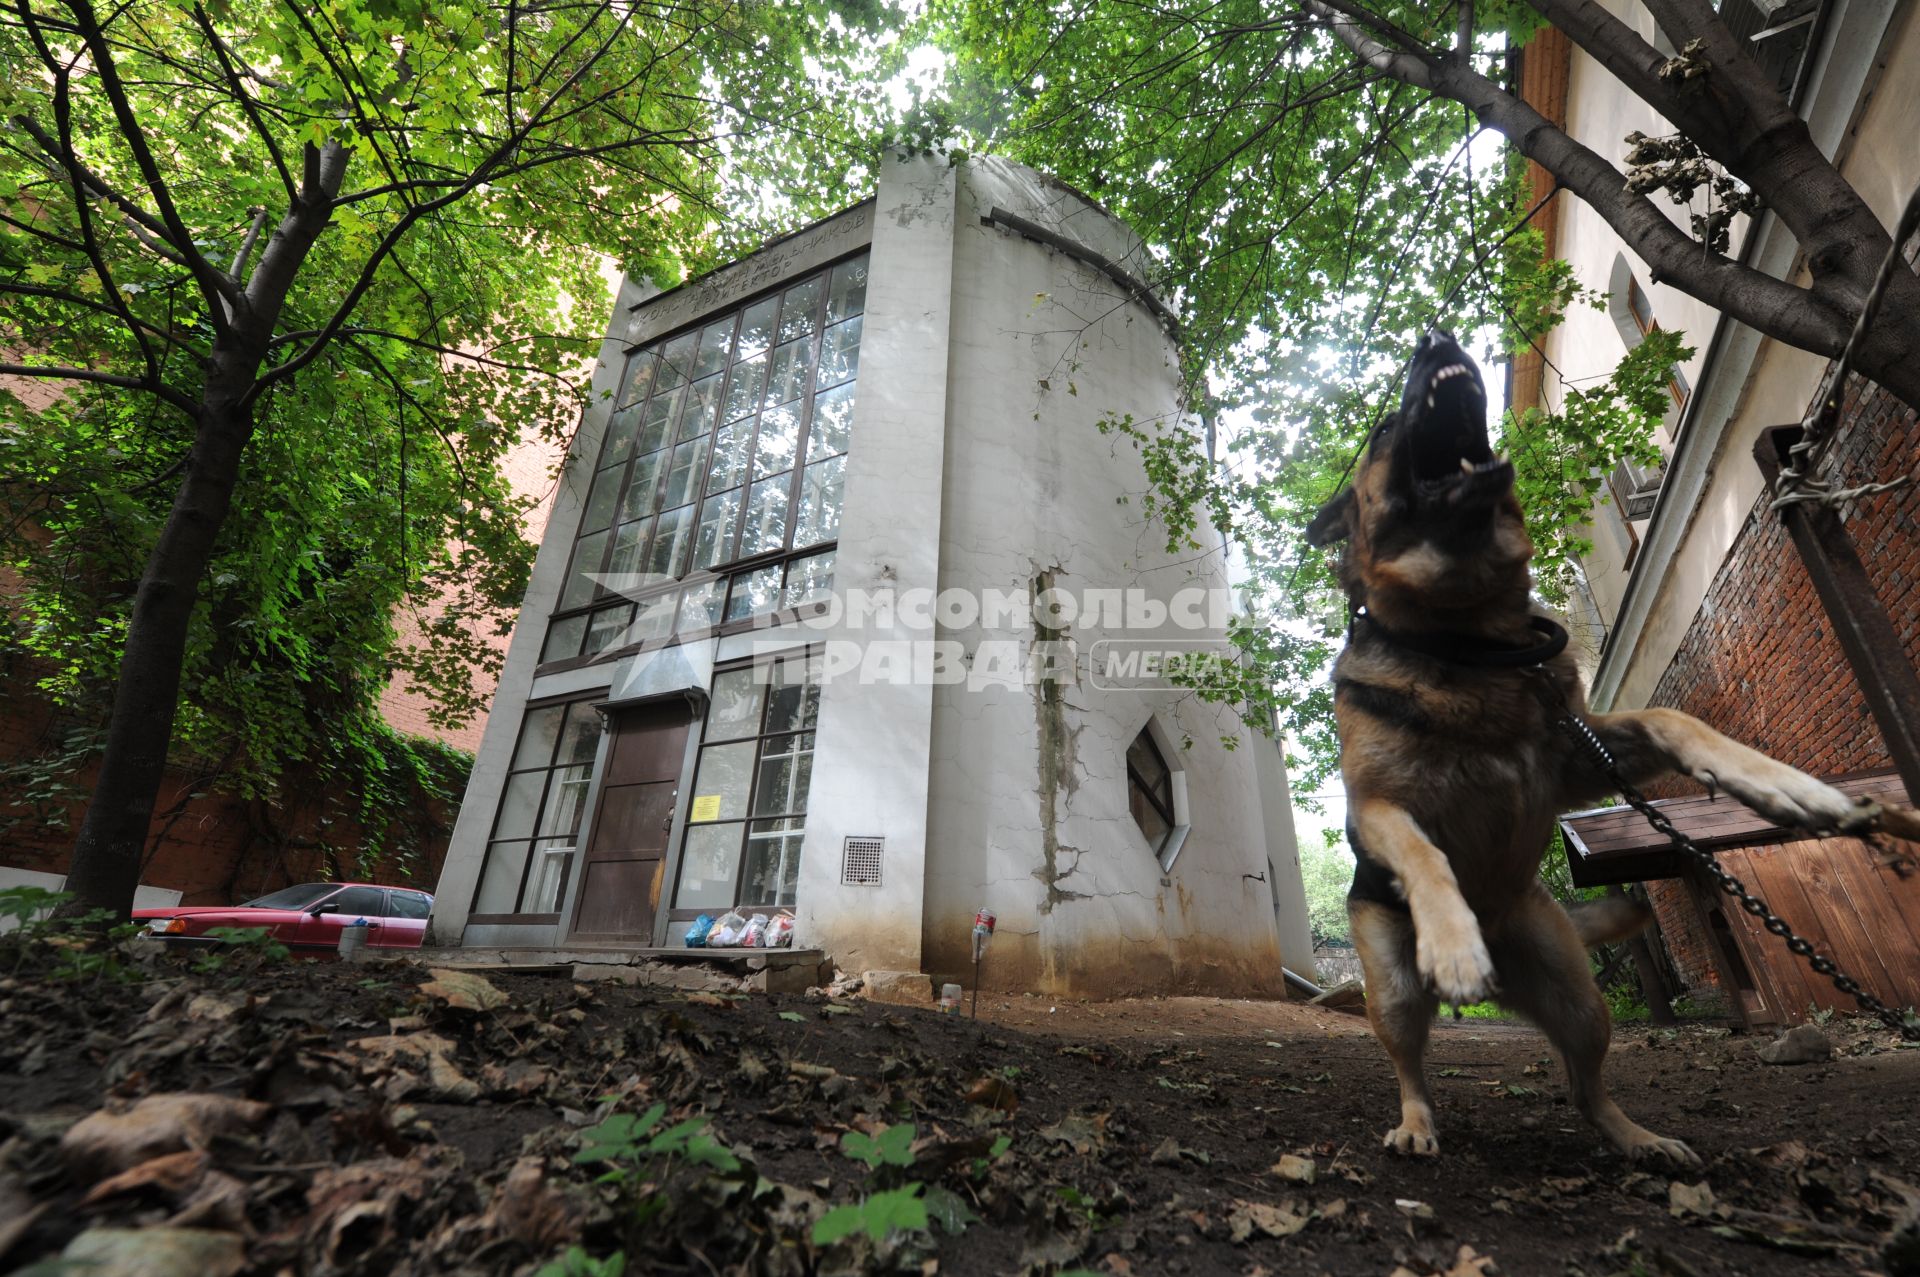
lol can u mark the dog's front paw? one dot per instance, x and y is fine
(1452, 958)
(1412, 1141)
(1791, 798)
(1414, 1137)
(1657, 1148)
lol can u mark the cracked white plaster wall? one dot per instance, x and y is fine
(1042, 347)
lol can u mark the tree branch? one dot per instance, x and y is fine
(482, 172)
(151, 234)
(87, 303)
(56, 373)
(247, 104)
(1799, 316)
(213, 282)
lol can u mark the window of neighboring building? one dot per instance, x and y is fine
(1636, 487)
(1150, 790)
(1642, 312)
(716, 497)
(748, 812)
(537, 826)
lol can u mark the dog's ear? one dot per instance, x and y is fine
(1331, 524)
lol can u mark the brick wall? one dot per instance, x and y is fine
(530, 466)
(212, 847)
(1760, 662)
(1545, 65)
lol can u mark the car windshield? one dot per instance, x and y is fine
(293, 897)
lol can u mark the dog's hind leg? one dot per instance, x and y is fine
(1544, 975)
(1400, 1007)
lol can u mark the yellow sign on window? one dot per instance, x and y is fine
(706, 807)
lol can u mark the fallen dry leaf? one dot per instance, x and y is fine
(217, 1007)
(352, 1208)
(994, 1093)
(1689, 1199)
(1283, 1220)
(1082, 1133)
(462, 989)
(1468, 1263)
(1294, 1168)
(107, 1143)
(173, 1174)
(156, 1252)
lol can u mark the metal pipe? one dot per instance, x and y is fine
(1301, 983)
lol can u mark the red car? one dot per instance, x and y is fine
(306, 918)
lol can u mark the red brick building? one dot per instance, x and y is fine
(208, 844)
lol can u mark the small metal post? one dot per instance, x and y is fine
(983, 924)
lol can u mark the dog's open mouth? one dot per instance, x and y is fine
(1444, 430)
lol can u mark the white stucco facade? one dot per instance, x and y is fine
(1861, 100)
(976, 468)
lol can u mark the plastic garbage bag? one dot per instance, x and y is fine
(755, 935)
(779, 932)
(698, 930)
(726, 933)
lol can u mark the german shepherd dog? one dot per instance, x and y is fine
(1454, 768)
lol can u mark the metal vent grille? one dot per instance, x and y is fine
(860, 861)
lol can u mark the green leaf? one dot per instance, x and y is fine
(898, 1210)
(949, 1210)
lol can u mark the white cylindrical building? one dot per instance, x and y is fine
(847, 607)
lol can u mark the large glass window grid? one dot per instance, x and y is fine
(748, 815)
(726, 449)
(543, 804)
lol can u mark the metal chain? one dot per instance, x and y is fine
(1583, 735)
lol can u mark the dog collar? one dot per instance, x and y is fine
(1474, 650)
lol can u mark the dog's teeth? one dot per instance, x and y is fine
(1466, 466)
(1429, 399)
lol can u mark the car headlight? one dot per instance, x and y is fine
(167, 926)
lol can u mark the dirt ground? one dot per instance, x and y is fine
(375, 1119)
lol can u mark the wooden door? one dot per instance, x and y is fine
(625, 862)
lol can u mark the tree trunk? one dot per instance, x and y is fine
(107, 855)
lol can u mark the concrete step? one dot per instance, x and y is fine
(712, 970)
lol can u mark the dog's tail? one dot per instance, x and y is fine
(1608, 919)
